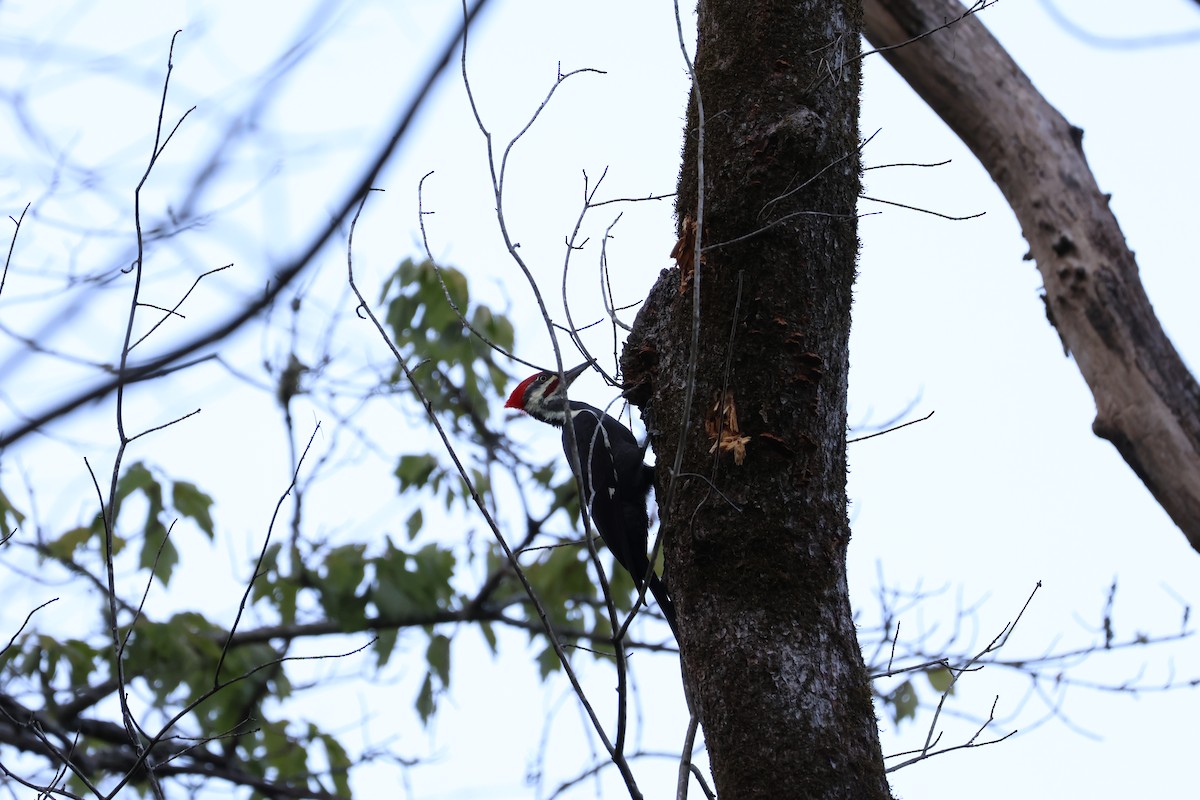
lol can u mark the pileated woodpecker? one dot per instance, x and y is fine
(615, 479)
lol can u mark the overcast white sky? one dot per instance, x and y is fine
(1004, 487)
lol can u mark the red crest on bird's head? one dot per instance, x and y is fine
(517, 398)
(520, 395)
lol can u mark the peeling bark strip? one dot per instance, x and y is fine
(1147, 403)
(756, 551)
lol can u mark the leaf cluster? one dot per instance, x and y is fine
(165, 502)
(221, 695)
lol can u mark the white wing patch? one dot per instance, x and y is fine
(600, 438)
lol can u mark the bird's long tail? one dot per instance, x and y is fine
(659, 590)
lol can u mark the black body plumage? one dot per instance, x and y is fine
(616, 481)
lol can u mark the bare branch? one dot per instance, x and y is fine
(262, 554)
(889, 430)
(923, 210)
(173, 311)
(926, 753)
(11, 245)
(421, 213)
(1147, 400)
(24, 624)
(284, 274)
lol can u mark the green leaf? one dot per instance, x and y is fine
(137, 476)
(277, 589)
(414, 470)
(548, 662)
(498, 378)
(286, 593)
(544, 476)
(179, 653)
(385, 645)
(264, 584)
(339, 764)
(557, 577)
(438, 656)
(489, 635)
(435, 565)
(412, 583)
(903, 701)
(48, 663)
(81, 658)
(494, 326)
(24, 662)
(64, 547)
(8, 511)
(345, 569)
(158, 552)
(428, 327)
(97, 530)
(243, 700)
(426, 704)
(340, 583)
(283, 752)
(414, 523)
(193, 503)
(390, 592)
(10, 653)
(456, 284)
(941, 679)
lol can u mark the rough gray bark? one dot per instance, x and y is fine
(755, 550)
(1147, 402)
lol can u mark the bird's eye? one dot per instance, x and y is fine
(542, 378)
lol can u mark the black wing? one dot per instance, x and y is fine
(615, 485)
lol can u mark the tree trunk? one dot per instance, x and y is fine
(1147, 402)
(755, 530)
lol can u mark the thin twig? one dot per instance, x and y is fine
(28, 617)
(975, 8)
(925, 753)
(12, 244)
(174, 310)
(462, 318)
(109, 510)
(889, 430)
(262, 554)
(780, 221)
(633, 199)
(685, 758)
(571, 247)
(932, 736)
(861, 146)
(137, 436)
(140, 762)
(909, 164)
(923, 210)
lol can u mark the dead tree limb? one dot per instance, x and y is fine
(1147, 402)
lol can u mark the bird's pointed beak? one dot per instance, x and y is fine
(574, 372)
